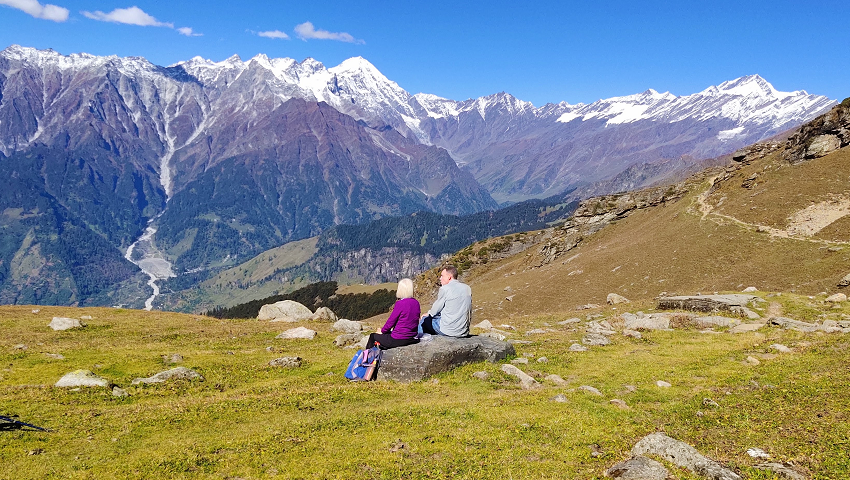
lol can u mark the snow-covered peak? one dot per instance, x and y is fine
(750, 85)
(742, 100)
(356, 64)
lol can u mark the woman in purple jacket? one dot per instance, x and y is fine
(401, 327)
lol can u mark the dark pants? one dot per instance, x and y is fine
(428, 325)
(386, 341)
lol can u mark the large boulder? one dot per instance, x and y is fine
(300, 333)
(440, 354)
(735, 302)
(64, 323)
(284, 311)
(82, 378)
(347, 326)
(324, 314)
(179, 373)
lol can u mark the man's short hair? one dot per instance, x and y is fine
(451, 269)
(405, 288)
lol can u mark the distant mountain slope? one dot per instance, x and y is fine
(770, 219)
(383, 250)
(226, 173)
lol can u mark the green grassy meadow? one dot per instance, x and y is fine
(250, 420)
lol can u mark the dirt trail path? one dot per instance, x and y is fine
(802, 224)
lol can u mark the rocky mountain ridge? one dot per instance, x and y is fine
(224, 160)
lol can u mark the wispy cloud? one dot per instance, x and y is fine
(37, 10)
(273, 34)
(130, 16)
(135, 16)
(307, 31)
(189, 32)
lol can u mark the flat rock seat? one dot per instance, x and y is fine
(706, 303)
(440, 354)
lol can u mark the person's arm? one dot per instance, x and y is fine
(388, 327)
(440, 303)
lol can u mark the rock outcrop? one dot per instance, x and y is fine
(284, 311)
(683, 455)
(595, 213)
(440, 354)
(179, 373)
(735, 303)
(823, 135)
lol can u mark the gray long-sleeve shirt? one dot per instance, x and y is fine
(454, 306)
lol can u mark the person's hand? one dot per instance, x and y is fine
(379, 331)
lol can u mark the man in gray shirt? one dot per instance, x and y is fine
(452, 312)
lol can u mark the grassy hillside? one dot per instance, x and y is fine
(248, 281)
(719, 237)
(249, 420)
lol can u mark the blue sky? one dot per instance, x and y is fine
(539, 51)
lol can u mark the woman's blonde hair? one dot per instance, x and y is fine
(405, 288)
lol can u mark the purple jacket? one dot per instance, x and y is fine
(404, 319)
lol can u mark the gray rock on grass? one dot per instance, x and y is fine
(494, 335)
(284, 311)
(286, 362)
(172, 358)
(780, 348)
(746, 327)
(64, 323)
(179, 373)
(716, 321)
(82, 378)
(300, 333)
(556, 379)
(526, 381)
(844, 282)
(632, 333)
(595, 339)
(577, 348)
(638, 468)
(484, 325)
(836, 298)
(324, 314)
(782, 471)
(119, 392)
(347, 326)
(614, 299)
(653, 321)
(683, 455)
(590, 390)
(791, 324)
(347, 339)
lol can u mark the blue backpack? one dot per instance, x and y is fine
(364, 364)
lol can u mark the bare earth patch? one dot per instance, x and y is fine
(815, 218)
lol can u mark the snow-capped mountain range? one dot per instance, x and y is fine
(229, 158)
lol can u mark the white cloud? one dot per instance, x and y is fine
(130, 16)
(307, 31)
(273, 34)
(37, 10)
(189, 32)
